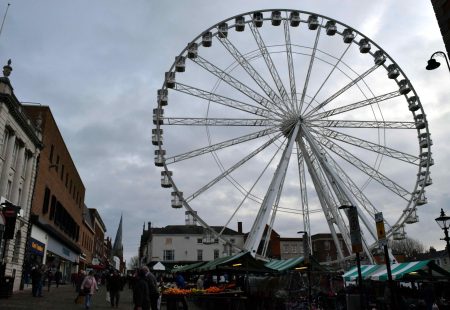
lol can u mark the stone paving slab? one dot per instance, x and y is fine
(62, 298)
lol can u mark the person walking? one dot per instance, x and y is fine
(36, 281)
(141, 294)
(89, 287)
(58, 277)
(153, 288)
(114, 285)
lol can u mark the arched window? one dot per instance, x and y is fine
(17, 242)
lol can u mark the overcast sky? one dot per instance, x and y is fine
(98, 64)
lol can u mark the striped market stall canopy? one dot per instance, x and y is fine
(285, 264)
(399, 271)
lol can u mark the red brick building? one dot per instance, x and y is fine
(58, 199)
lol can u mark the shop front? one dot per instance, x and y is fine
(63, 257)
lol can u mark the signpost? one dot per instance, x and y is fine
(382, 241)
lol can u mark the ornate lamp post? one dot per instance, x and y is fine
(444, 223)
(434, 64)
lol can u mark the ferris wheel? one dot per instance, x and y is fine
(276, 118)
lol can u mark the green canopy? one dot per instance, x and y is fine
(285, 264)
(398, 271)
(240, 262)
(189, 267)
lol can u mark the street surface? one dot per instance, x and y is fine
(62, 298)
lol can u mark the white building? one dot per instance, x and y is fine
(183, 244)
(20, 144)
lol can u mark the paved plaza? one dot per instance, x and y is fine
(62, 298)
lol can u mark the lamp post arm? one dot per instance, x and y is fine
(443, 55)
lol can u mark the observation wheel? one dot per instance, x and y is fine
(276, 118)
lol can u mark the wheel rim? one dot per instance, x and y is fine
(256, 88)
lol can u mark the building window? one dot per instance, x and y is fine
(199, 240)
(8, 189)
(6, 136)
(67, 179)
(169, 255)
(200, 255)
(286, 248)
(14, 154)
(46, 200)
(216, 240)
(16, 251)
(62, 172)
(186, 237)
(232, 240)
(57, 163)
(326, 245)
(168, 240)
(52, 207)
(52, 150)
(216, 253)
(294, 248)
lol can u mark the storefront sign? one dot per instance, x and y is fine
(59, 249)
(36, 247)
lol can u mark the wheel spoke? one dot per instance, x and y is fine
(360, 124)
(367, 169)
(236, 84)
(355, 105)
(311, 62)
(380, 149)
(219, 122)
(220, 145)
(211, 97)
(270, 65)
(290, 61)
(341, 91)
(276, 100)
(234, 167)
(304, 194)
(328, 76)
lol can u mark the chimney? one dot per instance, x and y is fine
(149, 225)
(240, 227)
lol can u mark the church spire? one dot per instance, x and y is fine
(117, 249)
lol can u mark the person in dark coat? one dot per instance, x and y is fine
(152, 288)
(114, 285)
(141, 295)
(58, 277)
(36, 281)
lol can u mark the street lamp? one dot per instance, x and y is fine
(444, 223)
(307, 254)
(434, 64)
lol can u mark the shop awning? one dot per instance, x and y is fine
(240, 262)
(189, 267)
(285, 264)
(159, 266)
(399, 271)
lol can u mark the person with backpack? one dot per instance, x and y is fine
(88, 288)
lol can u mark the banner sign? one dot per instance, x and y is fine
(381, 233)
(36, 247)
(355, 231)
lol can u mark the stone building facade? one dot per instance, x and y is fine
(20, 146)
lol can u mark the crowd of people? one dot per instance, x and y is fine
(41, 275)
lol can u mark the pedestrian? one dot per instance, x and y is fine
(114, 285)
(179, 280)
(141, 294)
(200, 282)
(49, 275)
(153, 288)
(36, 281)
(58, 277)
(428, 295)
(89, 287)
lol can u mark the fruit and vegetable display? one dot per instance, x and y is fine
(193, 291)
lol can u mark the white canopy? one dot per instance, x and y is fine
(159, 266)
